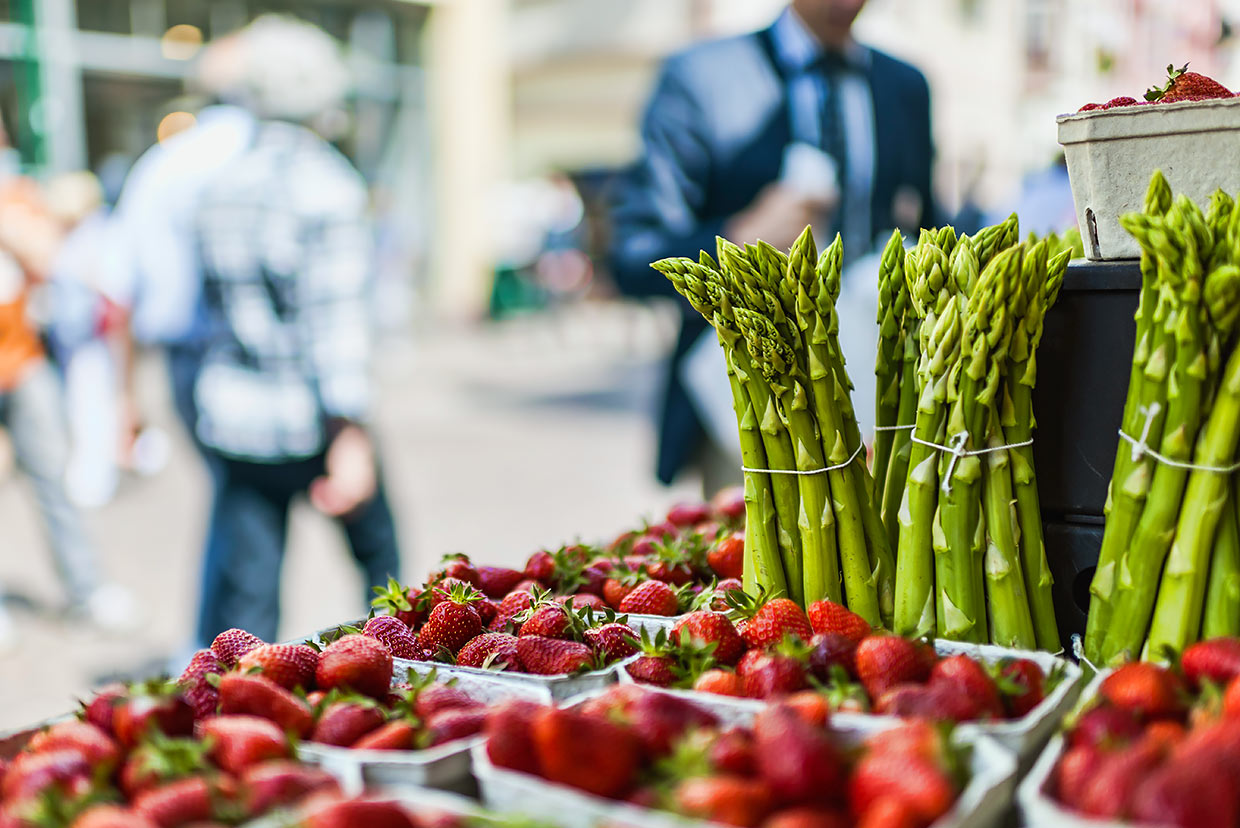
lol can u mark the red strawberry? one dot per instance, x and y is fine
(811, 705)
(941, 702)
(729, 504)
(1186, 795)
(357, 813)
(551, 621)
(344, 722)
(394, 633)
(256, 695)
(1183, 85)
(1105, 727)
(459, 567)
(917, 782)
(541, 567)
(731, 751)
(703, 628)
(884, 661)
(510, 740)
(726, 557)
(807, 816)
(676, 574)
(280, 782)
(1146, 689)
(594, 755)
(657, 670)
(798, 761)
(773, 621)
(199, 692)
(830, 617)
(161, 760)
(450, 725)
(32, 773)
(612, 642)
(497, 581)
(177, 803)
(110, 816)
(97, 747)
(585, 599)
(452, 623)
(728, 800)
(398, 734)
(356, 662)
(439, 697)
(230, 645)
(1231, 699)
(594, 577)
(1089, 107)
(552, 656)
(492, 650)
(241, 741)
(720, 682)
(727, 585)
(962, 674)
(285, 664)
(650, 598)
(98, 711)
(152, 706)
(1217, 660)
(615, 590)
(1117, 778)
(769, 675)
(832, 651)
(405, 603)
(660, 720)
(1073, 773)
(1025, 678)
(687, 514)
(1123, 100)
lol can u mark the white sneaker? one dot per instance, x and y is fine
(112, 608)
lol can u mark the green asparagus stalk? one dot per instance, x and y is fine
(897, 472)
(1222, 610)
(889, 362)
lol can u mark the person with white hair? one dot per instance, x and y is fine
(283, 395)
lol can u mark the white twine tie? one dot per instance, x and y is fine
(957, 451)
(1141, 447)
(810, 471)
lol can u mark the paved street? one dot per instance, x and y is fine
(497, 440)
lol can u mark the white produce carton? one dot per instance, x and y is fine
(1112, 153)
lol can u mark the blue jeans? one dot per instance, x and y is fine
(249, 528)
(34, 415)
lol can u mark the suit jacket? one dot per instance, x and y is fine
(714, 134)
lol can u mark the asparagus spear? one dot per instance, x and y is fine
(888, 366)
(1222, 610)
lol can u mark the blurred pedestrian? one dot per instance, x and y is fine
(32, 410)
(283, 395)
(755, 137)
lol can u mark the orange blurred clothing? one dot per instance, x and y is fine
(26, 229)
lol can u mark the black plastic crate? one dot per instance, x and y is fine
(1083, 366)
(1072, 553)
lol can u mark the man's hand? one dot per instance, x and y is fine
(777, 216)
(349, 480)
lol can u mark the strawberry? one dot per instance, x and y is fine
(280, 782)
(704, 628)
(357, 813)
(1217, 660)
(657, 670)
(1105, 727)
(452, 623)
(97, 747)
(285, 664)
(513, 605)
(889, 812)
(459, 567)
(491, 650)
(450, 725)
(177, 803)
(196, 683)
(616, 589)
(730, 800)
(111, 816)
(487, 609)
(925, 788)
(1146, 689)
(726, 557)
(550, 621)
(810, 705)
(497, 581)
(768, 624)
(439, 697)
(962, 674)
(687, 514)
(594, 577)
(553, 656)
(731, 751)
(344, 722)
(394, 633)
(650, 598)
(154, 705)
(1183, 85)
(673, 573)
(541, 567)
(1231, 699)
(884, 661)
(942, 702)
(1073, 773)
(398, 734)
(256, 695)
(98, 711)
(719, 595)
(404, 603)
(729, 504)
(1123, 100)
(509, 731)
(770, 675)
(1186, 795)
(829, 651)
(594, 755)
(798, 761)
(230, 645)
(1116, 778)
(584, 599)
(612, 642)
(241, 741)
(32, 773)
(807, 816)
(830, 617)
(159, 760)
(1089, 107)
(660, 720)
(720, 682)
(356, 662)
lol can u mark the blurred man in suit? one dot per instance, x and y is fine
(754, 137)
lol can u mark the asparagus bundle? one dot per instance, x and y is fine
(1169, 568)
(812, 530)
(971, 564)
